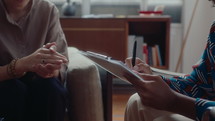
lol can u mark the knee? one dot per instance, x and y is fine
(132, 108)
(54, 87)
(50, 86)
(134, 102)
(13, 89)
(13, 97)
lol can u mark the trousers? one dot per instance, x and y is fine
(136, 111)
(32, 98)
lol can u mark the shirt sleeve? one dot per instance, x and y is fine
(199, 83)
(202, 106)
(55, 34)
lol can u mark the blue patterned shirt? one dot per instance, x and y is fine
(200, 83)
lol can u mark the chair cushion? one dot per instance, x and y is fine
(84, 88)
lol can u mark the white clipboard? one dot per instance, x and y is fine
(115, 67)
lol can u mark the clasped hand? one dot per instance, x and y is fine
(153, 91)
(45, 61)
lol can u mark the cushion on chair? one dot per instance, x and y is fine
(84, 88)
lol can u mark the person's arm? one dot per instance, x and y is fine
(184, 105)
(155, 93)
(45, 62)
(4, 74)
(200, 82)
(191, 107)
(202, 108)
(14, 69)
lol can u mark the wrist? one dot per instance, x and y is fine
(183, 105)
(13, 70)
(173, 102)
(56, 73)
(20, 67)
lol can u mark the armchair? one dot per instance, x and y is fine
(89, 88)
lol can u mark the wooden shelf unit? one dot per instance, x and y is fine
(109, 36)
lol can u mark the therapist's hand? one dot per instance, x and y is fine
(140, 66)
(154, 92)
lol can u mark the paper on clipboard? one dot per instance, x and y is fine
(115, 67)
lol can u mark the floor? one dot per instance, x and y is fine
(120, 97)
(119, 104)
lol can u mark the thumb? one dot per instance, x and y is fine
(53, 48)
(49, 45)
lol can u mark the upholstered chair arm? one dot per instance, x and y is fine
(84, 89)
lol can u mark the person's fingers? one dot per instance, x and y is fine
(138, 60)
(43, 69)
(54, 58)
(37, 69)
(52, 61)
(128, 62)
(134, 81)
(46, 71)
(52, 67)
(44, 53)
(149, 77)
(53, 48)
(143, 68)
(48, 45)
(61, 56)
(146, 76)
(47, 50)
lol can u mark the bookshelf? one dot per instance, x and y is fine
(155, 31)
(109, 36)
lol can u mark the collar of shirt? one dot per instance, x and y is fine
(10, 20)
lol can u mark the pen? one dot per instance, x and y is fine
(134, 53)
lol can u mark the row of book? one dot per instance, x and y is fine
(149, 54)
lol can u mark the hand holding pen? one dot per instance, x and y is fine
(136, 63)
(134, 53)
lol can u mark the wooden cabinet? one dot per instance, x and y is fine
(109, 36)
(106, 36)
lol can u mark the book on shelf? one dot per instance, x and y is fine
(140, 40)
(152, 55)
(150, 61)
(159, 55)
(145, 53)
(131, 39)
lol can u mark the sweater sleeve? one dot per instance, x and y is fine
(199, 83)
(56, 34)
(202, 107)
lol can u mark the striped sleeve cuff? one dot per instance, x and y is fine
(201, 107)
